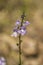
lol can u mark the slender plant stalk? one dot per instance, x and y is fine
(20, 30)
(20, 40)
(19, 49)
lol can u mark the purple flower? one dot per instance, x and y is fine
(15, 34)
(18, 22)
(20, 29)
(23, 32)
(23, 27)
(26, 23)
(2, 58)
(2, 61)
(15, 30)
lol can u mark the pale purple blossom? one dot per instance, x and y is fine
(26, 23)
(14, 34)
(2, 61)
(20, 29)
(15, 30)
(23, 27)
(23, 32)
(17, 23)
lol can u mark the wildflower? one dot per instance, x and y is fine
(17, 23)
(26, 23)
(15, 34)
(23, 32)
(23, 27)
(2, 61)
(20, 29)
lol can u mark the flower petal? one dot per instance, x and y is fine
(14, 34)
(23, 27)
(23, 32)
(18, 22)
(26, 23)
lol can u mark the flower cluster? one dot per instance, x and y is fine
(20, 29)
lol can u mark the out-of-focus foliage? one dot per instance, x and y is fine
(3, 4)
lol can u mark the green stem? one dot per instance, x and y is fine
(19, 49)
(20, 40)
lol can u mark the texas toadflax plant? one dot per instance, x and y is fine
(20, 30)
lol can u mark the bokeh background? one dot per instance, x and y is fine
(32, 45)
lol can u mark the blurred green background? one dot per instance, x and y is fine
(10, 11)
